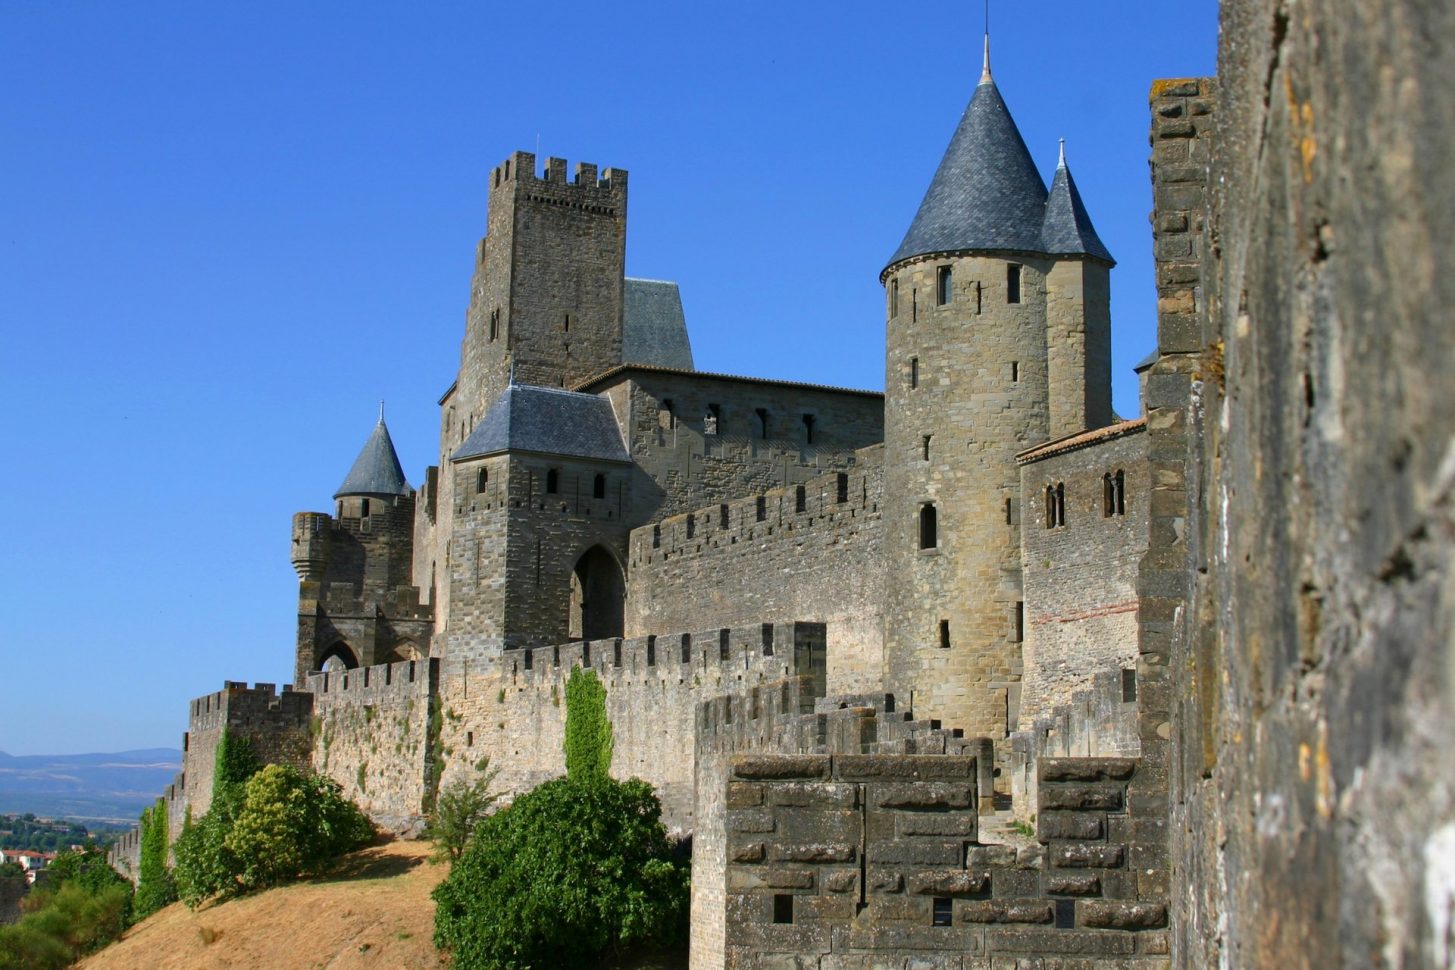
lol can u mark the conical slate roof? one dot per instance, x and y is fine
(547, 421)
(376, 471)
(1067, 230)
(987, 193)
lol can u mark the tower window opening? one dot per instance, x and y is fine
(691, 525)
(944, 285)
(979, 297)
(598, 487)
(710, 420)
(1009, 520)
(800, 499)
(1018, 622)
(943, 912)
(1055, 505)
(364, 508)
(808, 429)
(685, 655)
(1012, 283)
(1129, 686)
(656, 537)
(762, 507)
(894, 298)
(553, 481)
(722, 516)
(925, 447)
(494, 323)
(482, 478)
(944, 634)
(724, 643)
(1113, 492)
(929, 535)
(914, 372)
(783, 908)
(842, 482)
(1015, 372)
(762, 422)
(914, 304)
(652, 650)
(666, 418)
(566, 324)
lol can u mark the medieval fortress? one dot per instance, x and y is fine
(850, 637)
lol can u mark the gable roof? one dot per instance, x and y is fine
(654, 328)
(548, 421)
(376, 471)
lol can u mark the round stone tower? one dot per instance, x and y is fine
(998, 340)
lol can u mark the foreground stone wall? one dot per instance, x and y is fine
(1315, 693)
(860, 861)
(12, 891)
(806, 552)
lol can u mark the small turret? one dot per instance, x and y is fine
(376, 471)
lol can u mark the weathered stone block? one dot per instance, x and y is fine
(926, 796)
(1078, 856)
(1071, 825)
(917, 852)
(743, 795)
(1016, 883)
(961, 824)
(1048, 941)
(810, 795)
(953, 882)
(747, 852)
(1122, 915)
(1081, 798)
(868, 767)
(775, 767)
(1087, 769)
(812, 852)
(840, 880)
(1073, 884)
(990, 855)
(1003, 911)
(751, 820)
(885, 881)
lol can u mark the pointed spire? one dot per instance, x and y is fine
(1067, 230)
(985, 72)
(376, 471)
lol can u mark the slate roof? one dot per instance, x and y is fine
(986, 194)
(376, 471)
(1067, 230)
(548, 421)
(1081, 439)
(654, 329)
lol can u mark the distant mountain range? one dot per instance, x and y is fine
(90, 787)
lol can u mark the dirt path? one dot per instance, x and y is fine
(374, 912)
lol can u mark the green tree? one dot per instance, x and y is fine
(11, 870)
(83, 905)
(588, 729)
(458, 810)
(155, 887)
(577, 868)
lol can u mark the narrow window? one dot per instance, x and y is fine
(722, 516)
(894, 298)
(978, 297)
(768, 642)
(598, 487)
(928, 528)
(800, 499)
(686, 654)
(943, 912)
(1009, 520)
(616, 654)
(566, 324)
(914, 372)
(762, 507)
(925, 454)
(469, 739)
(808, 429)
(1050, 506)
(691, 525)
(1129, 686)
(1108, 496)
(1120, 484)
(762, 422)
(656, 537)
(494, 323)
(914, 305)
(1055, 505)
(1012, 283)
(1018, 622)
(553, 481)
(724, 644)
(666, 417)
(709, 420)
(944, 285)
(652, 651)
(1060, 504)
(364, 508)
(782, 908)
(944, 634)
(529, 659)
(1015, 372)
(482, 478)
(1065, 914)
(843, 488)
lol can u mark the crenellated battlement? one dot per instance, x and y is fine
(405, 676)
(520, 173)
(833, 499)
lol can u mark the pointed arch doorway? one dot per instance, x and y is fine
(598, 596)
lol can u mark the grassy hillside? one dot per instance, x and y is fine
(375, 911)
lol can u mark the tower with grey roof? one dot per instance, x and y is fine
(998, 340)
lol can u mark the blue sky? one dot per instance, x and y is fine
(228, 230)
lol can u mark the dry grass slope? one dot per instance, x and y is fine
(374, 911)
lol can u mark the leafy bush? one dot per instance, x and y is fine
(85, 907)
(573, 869)
(155, 887)
(458, 810)
(281, 824)
(588, 730)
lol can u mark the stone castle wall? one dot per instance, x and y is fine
(1080, 583)
(809, 551)
(371, 732)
